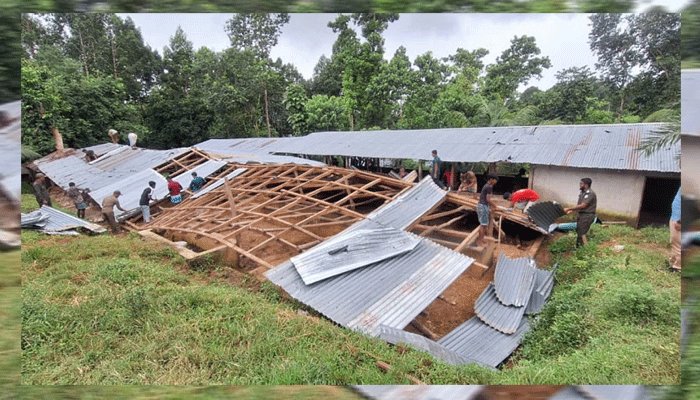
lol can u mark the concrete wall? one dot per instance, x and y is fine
(690, 159)
(618, 191)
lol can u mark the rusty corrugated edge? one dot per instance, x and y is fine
(477, 341)
(418, 392)
(495, 314)
(347, 251)
(514, 280)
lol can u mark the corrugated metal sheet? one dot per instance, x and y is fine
(514, 280)
(391, 292)
(393, 335)
(410, 205)
(478, 341)
(419, 392)
(131, 189)
(103, 148)
(690, 102)
(610, 146)
(544, 282)
(273, 159)
(59, 221)
(219, 182)
(252, 150)
(126, 160)
(497, 315)
(545, 213)
(356, 249)
(613, 392)
(205, 169)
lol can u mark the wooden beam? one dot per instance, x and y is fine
(532, 251)
(468, 240)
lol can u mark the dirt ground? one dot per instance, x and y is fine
(523, 392)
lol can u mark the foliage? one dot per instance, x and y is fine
(514, 67)
(295, 101)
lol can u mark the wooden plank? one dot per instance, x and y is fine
(532, 251)
(468, 240)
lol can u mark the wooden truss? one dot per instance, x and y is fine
(270, 213)
(186, 161)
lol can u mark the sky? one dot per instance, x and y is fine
(561, 37)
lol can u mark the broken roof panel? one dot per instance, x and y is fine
(410, 205)
(219, 182)
(419, 392)
(252, 150)
(390, 292)
(394, 336)
(514, 280)
(544, 282)
(56, 220)
(545, 213)
(348, 251)
(478, 341)
(497, 315)
(102, 148)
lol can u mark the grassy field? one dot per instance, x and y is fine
(121, 311)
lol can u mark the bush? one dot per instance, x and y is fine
(561, 328)
(638, 305)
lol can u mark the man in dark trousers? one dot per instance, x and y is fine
(435, 170)
(484, 208)
(108, 204)
(146, 197)
(40, 191)
(586, 207)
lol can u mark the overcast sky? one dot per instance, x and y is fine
(561, 37)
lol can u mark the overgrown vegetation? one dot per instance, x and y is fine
(123, 311)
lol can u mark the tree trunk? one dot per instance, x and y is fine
(622, 103)
(267, 115)
(84, 56)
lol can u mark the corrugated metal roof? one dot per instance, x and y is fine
(103, 148)
(514, 280)
(478, 341)
(410, 205)
(545, 213)
(391, 292)
(356, 249)
(611, 146)
(126, 160)
(273, 159)
(219, 182)
(544, 282)
(59, 221)
(205, 169)
(690, 102)
(393, 335)
(419, 392)
(497, 315)
(131, 189)
(613, 392)
(252, 150)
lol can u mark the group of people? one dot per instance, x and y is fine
(114, 135)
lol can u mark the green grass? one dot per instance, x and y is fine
(120, 311)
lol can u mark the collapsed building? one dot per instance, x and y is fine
(370, 252)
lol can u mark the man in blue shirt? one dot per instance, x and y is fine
(197, 182)
(675, 226)
(435, 170)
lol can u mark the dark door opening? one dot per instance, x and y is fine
(656, 201)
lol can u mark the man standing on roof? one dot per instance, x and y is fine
(76, 195)
(586, 207)
(484, 208)
(174, 188)
(435, 170)
(89, 155)
(675, 225)
(197, 182)
(132, 139)
(145, 200)
(114, 135)
(108, 204)
(522, 199)
(40, 191)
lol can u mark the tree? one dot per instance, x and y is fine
(567, 100)
(514, 67)
(255, 32)
(326, 114)
(295, 102)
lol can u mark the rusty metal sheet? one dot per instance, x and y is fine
(348, 251)
(495, 314)
(514, 280)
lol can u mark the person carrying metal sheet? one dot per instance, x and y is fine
(108, 204)
(77, 195)
(586, 207)
(484, 208)
(197, 182)
(145, 200)
(40, 191)
(175, 190)
(522, 199)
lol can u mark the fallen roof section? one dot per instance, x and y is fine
(131, 188)
(395, 336)
(544, 214)
(477, 341)
(409, 206)
(495, 314)
(355, 249)
(52, 220)
(544, 282)
(514, 280)
(420, 392)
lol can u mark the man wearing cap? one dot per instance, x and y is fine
(108, 209)
(586, 207)
(145, 199)
(40, 191)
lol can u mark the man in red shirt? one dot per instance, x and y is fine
(522, 199)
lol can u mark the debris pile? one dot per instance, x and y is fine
(54, 222)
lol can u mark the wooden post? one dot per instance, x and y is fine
(452, 176)
(500, 220)
(420, 170)
(230, 197)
